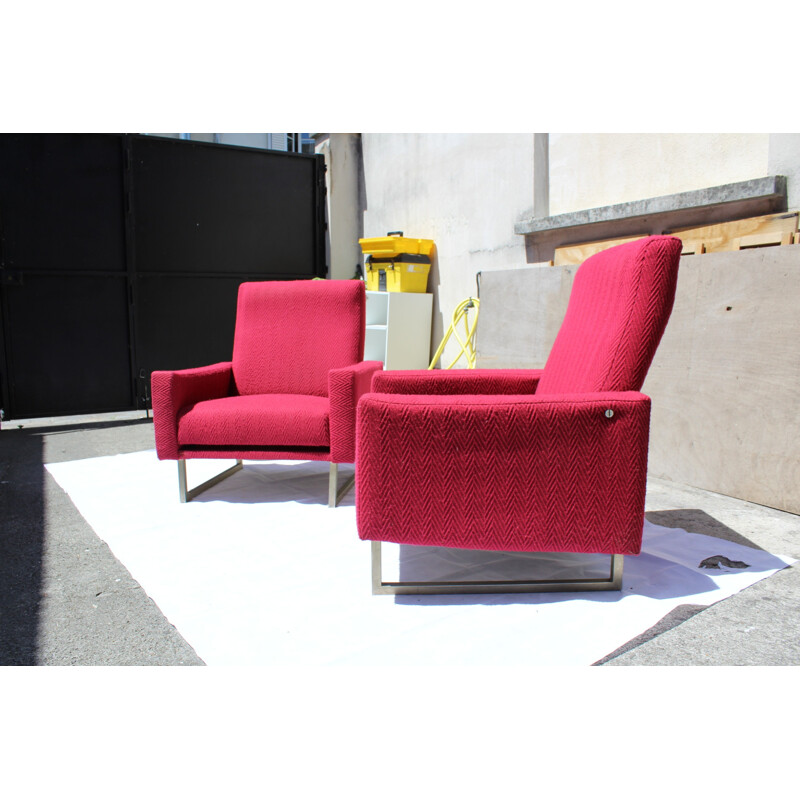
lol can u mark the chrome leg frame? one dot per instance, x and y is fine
(190, 494)
(335, 495)
(611, 584)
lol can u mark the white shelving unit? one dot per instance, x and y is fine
(399, 329)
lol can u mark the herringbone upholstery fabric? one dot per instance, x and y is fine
(618, 308)
(487, 463)
(291, 334)
(293, 341)
(345, 388)
(253, 420)
(457, 381)
(545, 474)
(176, 390)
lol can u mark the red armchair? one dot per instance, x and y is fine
(551, 460)
(289, 392)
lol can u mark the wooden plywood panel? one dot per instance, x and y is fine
(578, 253)
(772, 229)
(725, 381)
(520, 314)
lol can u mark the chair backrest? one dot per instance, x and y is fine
(620, 302)
(290, 334)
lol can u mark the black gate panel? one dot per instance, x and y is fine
(206, 218)
(64, 297)
(205, 208)
(69, 341)
(61, 202)
(122, 254)
(185, 322)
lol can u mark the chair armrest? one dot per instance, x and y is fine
(345, 386)
(174, 390)
(458, 381)
(545, 474)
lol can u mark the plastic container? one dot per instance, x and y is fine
(395, 263)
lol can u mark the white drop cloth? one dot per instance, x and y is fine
(259, 571)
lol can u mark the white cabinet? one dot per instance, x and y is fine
(399, 329)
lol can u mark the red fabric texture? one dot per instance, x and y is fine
(271, 401)
(485, 462)
(173, 391)
(256, 420)
(620, 302)
(346, 386)
(290, 334)
(257, 453)
(457, 381)
(516, 473)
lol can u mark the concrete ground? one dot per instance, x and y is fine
(66, 600)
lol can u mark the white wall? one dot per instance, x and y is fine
(342, 153)
(464, 191)
(588, 170)
(784, 159)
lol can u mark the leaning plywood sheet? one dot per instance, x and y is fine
(773, 229)
(725, 381)
(520, 314)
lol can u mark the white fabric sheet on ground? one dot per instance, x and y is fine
(258, 571)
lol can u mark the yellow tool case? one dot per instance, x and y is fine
(395, 263)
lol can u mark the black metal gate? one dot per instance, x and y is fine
(121, 254)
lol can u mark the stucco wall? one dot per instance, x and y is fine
(343, 177)
(784, 159)
(588, 170)
(464, 191)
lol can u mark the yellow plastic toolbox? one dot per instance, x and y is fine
(395, 263)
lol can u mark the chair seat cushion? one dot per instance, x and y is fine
(256, 420)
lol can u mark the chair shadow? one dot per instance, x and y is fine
(307, 483)
(698, 521)
(303, 482)
(691, 583)
(687, 582)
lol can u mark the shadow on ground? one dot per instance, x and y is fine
(64, 598)
(21, 546)
(695, 520)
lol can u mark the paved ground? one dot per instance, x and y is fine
(66, 600)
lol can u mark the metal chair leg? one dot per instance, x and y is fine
(335, 495)
(612, 583)
(189, 494)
